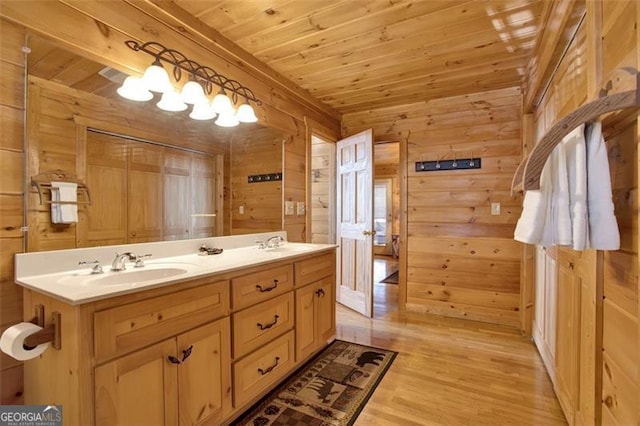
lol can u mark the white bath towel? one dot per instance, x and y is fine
(603, 226)
(576, 156)
(560, 214)
(67, 212)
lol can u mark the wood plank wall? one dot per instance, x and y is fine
(12, 156)
(462, 261)
(255, 152)
(613, 32)
(295, 184)
(322, 168)
(386, 158)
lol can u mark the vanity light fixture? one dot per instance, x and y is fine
(133, 89)
(202, 82)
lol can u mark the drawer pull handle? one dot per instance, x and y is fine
(173, 360)
(320, 292)
(266, 289)
(268, 370)
(271, 324)
(186, 353)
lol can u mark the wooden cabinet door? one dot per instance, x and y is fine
(305, 322)
(138, 389)
(568, 336)
(206, 199)
(325, 310)
(204, 376)
(315, 316)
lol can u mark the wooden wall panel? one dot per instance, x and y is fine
(253, 153)
(322, 168)
(462, 261)
(295, 185)
(11, 196)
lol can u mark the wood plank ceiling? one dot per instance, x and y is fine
(357, 55)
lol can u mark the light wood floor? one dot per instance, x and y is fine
(449, 371)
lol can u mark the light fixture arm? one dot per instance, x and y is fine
(205, 75)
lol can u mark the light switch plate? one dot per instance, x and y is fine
(288, 208)
(300, 208)
(241, 210)
(495, 209)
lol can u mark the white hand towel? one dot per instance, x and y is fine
(576, 156)
(530, 228)
(603, 226)
(68, 193)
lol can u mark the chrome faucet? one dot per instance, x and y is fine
(120, 260)
(273, 242)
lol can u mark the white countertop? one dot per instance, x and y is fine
(50, 272)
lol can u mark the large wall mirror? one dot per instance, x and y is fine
(151, 175)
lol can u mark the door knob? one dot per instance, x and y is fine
(367, 232)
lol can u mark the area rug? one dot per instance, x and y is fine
(331, 389)
(391, 279)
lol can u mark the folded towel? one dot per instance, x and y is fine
(560, 200)
(66, 192)
(576, 156)
(603, 226)
(531, 225)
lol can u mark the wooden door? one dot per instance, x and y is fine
(354, 273)
(177, 201)
(138, 389)
(145, 192)
(204, 376)
(568, 334)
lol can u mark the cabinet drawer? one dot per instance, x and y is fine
(254, 288)
(259, 324)
(310, 270)
(126, 328)
(257, 372)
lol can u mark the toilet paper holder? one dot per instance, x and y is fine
(50, 333)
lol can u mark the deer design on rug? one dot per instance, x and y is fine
(323, 388)
(369, 357)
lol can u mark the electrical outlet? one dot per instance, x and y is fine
(300, 208)
(241, 209)
(495, 209)
(288, 208)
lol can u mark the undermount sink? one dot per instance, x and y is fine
(139, 276)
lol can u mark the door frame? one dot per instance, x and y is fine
(386, 249)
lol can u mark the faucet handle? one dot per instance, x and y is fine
(97, 267)
(139, 260)
(260, 244)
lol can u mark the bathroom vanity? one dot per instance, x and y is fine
(191, 340)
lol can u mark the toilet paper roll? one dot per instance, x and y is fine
(12, 341)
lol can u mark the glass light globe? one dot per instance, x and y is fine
(156, 79)
(171, 102)
(221, 103)
(246, 114)
(227, 119)
(133, 89)
(202, 111)
(192, 93)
